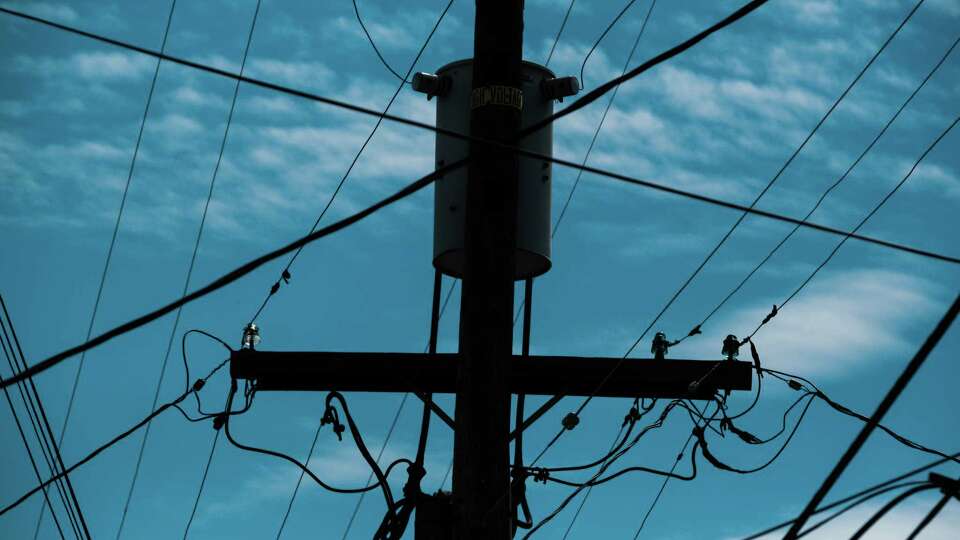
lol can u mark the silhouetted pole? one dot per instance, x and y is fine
(481, 452)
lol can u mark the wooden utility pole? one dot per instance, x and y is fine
(484, 373)
(481, 474)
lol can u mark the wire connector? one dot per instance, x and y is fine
(330, 416)
(218, 421)
(570, 421)
(198, 385)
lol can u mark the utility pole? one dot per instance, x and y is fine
(491, 228)
(481, 475)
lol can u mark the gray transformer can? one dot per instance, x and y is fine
(533, 191)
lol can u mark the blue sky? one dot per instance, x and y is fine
(718, 120)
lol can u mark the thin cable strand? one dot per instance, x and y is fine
(190, 268)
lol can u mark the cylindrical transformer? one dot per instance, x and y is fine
(452, 87)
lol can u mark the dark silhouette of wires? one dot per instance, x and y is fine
(889, 506)
(870, 214)
(197, 386)
(886, 484)
(403, 193)
(27, 403)
(603, 34)
(193, 261)
(909, 371)
(42, 428)
(839, 181)
(285, 274)
(773, 180)
(373, 44)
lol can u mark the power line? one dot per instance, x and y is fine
(556, 39)
(23, 436)
(285, 274)
(43, 430)
(890, 506)
(892, 395)
(203, 482)
(774, 179)
(862, 222)
(596, 43)
(833, 186)
(403, 79)
(414, 187)
(197, 386)
(879, 486)
(113, 239)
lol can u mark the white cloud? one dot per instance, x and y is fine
(839, 324)
(57, 12)
(88, 65)
(896, 525)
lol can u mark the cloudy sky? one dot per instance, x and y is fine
(719, 120)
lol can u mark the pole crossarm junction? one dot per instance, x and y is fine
(539, 375)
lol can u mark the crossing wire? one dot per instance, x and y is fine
(285, 274)
(410, 189)
(908, 372)
(866, 218)
(23, 437)
(186, 284)
(776, 176)
(833, 186)
(752, 206)
(563, 24)
(43, 430)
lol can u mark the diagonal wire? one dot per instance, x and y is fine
(44, 431)
(833, 186)
(193, 258)
(773, 180)
(285, 274)
(556, 40)
(863, 221)
(26, 445)
(583, 65)
(203, 482)
(286, 271)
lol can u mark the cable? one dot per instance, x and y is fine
(556, 40)
(848, 498)
(193, 260)
(40, 425)
(586, 495)
(195, 388)
(596, 43)
(854, 504)
(113, 237)
(888, 400)
(405, 192)
(603, 117)
(947, 495)
(776, 176)
(203, 482)
(26, 444)
(889, 506)
(833, 186)
(285, 274)
(403, 80)
(863, 221)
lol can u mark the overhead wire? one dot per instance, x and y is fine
(833, 186)
(23, 437)
(866, 498)
(41, 426)
(403, 79)
(563, 24)
(871, 489)
(199, 384)
(603, 34)
(113, 237)
(713, 251)
(862, 222)
(193, 259)
(408, 190)
(890, 506)
(909, 371)
(285, 274)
